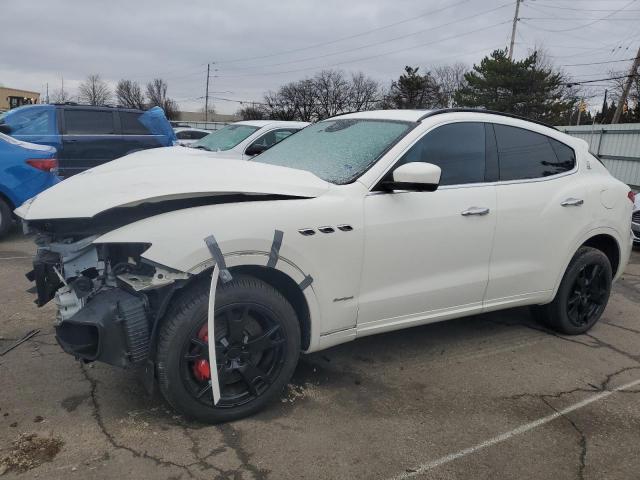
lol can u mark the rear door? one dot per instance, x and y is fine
(135, 135)
(540, 212)
(89, 138)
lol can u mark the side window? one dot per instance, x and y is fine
(195, 135)
(524, 154)
(131, 124)
(88, 122)
(183, 135)
(269, 139)
(36, 121)
(457, 148)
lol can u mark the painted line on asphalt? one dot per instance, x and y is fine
(425, 467)
(15, 258)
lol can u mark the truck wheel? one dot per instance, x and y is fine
(257, 338)
(5, 217)
(582, 296)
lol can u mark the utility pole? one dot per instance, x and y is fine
(206, 96)
(513, 29)
(627, 88)
(47, 92)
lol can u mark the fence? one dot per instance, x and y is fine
(618, 146)
(203, 125)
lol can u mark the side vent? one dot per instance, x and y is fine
(307, 232)
(345, 228)
(326, 229)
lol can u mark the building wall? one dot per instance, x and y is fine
(24, 96)
(618, 146)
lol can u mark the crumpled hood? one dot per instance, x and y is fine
(165, 174)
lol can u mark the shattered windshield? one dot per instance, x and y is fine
(226, 138)
(338, 151)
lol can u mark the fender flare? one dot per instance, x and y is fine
(579, 241)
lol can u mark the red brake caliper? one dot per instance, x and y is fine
(200, 367)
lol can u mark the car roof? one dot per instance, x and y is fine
(193, 129)
(274, 123)
(419, 115)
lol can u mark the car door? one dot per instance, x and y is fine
(427, 253)
(541, 209)
(89, 139)
(266, 141)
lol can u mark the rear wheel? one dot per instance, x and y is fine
(6, 220)
(582, 296)
(257, 340)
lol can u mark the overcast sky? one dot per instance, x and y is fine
(259, 45)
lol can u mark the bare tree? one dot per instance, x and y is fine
(332, 93)
(364, 93)
(252, 112)
(129, 94)
(94, 91)
(449, 78)
(60, 96)
(157, 96)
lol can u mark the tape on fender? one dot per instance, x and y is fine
(216, 254)
(213, 369)
(275, 248)
(308, 280)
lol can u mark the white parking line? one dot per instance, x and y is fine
(14, 258)
(425, 467)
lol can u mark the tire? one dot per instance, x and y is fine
(251, 373)
(582, 296)
(6, 219)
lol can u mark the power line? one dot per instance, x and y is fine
(320, 67)
(599, 80)
(590, 23)
(349, 37)
(596, 63)
(375, 44)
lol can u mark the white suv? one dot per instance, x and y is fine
(356, 225)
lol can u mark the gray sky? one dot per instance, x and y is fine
(260, 45)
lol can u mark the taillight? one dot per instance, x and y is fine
(44, 164)
(632, 196)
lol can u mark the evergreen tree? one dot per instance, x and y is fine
(413, 90)
(524, 87)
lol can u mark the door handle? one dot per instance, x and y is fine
(572, 202)
(475, 211)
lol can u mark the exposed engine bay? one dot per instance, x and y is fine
(105, 294)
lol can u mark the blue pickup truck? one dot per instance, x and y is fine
(87, 136)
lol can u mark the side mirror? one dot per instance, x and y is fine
(4, 128)
(255, 149)
(415, 176)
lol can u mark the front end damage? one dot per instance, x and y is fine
(108, 297)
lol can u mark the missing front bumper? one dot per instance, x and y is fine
(113, 328)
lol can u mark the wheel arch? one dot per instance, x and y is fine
(604, 239)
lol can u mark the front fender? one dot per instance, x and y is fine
(245, 233)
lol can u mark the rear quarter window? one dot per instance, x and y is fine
(130, 122)
(524, 154)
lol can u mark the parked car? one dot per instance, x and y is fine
(187, 135)
(26, 169)
(635, 220)
(359, 224)
(87, 136)
(244, 140)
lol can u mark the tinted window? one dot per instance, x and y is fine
(195, 135)
(88, 122)
(30, 121)
(524, 154)
(226, 138)
(131, 125)
(458, 149)
(270, 139)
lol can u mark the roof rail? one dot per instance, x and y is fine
(481, 110)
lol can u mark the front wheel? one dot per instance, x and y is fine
(257, 339)
(582, 296)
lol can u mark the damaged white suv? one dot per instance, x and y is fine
(356, 225)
